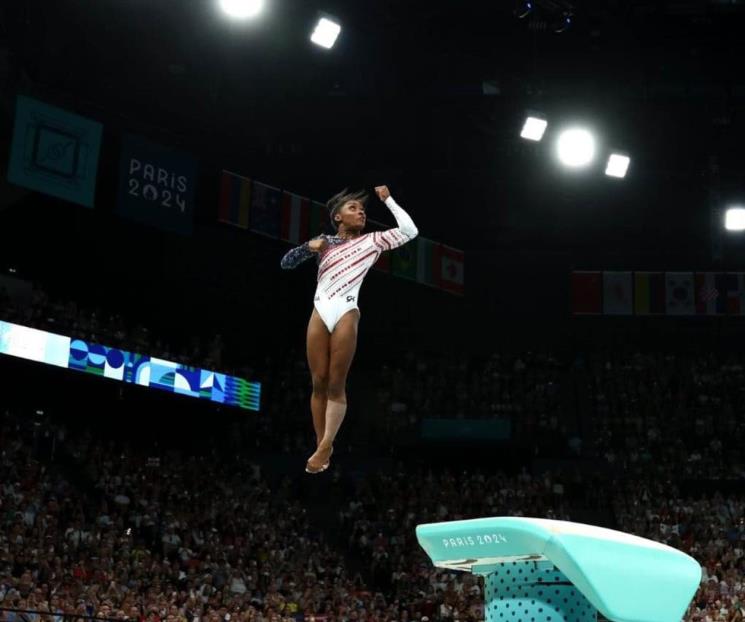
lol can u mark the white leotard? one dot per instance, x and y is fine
(342, 266)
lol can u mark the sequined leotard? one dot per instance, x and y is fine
(342, 266)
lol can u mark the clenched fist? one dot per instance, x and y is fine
(318, 245)
(382, 192)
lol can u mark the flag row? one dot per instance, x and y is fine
(657, 293)
(284, 215)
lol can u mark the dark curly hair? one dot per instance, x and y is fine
(336, 202)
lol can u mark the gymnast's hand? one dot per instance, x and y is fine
(318, 245)
(382, 192)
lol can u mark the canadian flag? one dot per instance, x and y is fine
(450, 277)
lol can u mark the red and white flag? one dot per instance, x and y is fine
(295, 218)
(450, 276)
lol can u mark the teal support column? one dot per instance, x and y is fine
(532, 591)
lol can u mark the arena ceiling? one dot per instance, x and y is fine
(430, 95)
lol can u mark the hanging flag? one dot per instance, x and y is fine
(265, 214)
(586, 293)
(384, 263)
(617, 293)
(317, 220)
(680, 289)
(426, 261)
(649, 293)
(295, 218)
(449, 269)
(404, 261)
(711, 293)
(735, 293)
(235, 200)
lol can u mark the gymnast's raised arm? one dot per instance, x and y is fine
(397, 236)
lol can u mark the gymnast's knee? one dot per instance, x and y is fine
(337, 391)
(320, 385)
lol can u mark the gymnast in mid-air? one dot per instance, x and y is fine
(343, 261)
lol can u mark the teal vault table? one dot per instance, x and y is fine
(540, 570)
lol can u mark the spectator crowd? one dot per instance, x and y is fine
(115, 533)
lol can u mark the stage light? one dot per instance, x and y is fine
(617, 165)
(735, 219)
(576, 147)
(242, 9)
(325, 33)
(534, 128)
(523, 8)
(562, 23)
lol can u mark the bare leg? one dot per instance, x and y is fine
(318, 342)
(343, 345)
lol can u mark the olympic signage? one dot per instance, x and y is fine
(130, 367)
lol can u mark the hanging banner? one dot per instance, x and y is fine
(156, 185)
(54, 152)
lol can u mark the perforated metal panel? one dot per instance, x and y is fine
(533, 591)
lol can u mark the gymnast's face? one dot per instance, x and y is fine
(352, 216)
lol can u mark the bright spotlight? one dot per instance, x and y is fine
(563, 23)
(242, 9)
(534, 128)
(523, 8)
(325, 33)
(617, 165)
(735, 219)
(576, 148)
